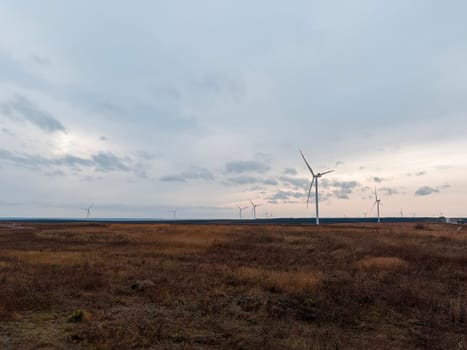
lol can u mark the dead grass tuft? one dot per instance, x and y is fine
(35, 257)
(287, 281)
(382, 262)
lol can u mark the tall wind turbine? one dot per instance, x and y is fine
(253, 209)
(88, 210)
(314, 180)
(174, 212)
(377, 203)
(241, 209)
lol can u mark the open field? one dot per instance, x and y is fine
(127, 286)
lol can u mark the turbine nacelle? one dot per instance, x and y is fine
(88, 210)
(241, 209)
(253, 208)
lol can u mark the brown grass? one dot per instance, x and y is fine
(391, 286)
(47, 257)
(288, 281)
(381, 262)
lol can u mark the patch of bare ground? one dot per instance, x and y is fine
(101, 286)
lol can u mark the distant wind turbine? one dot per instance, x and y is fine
(241, 209)
(314, 180)
(377, 203)
(88, 210)
(174, 212)
(253, 209)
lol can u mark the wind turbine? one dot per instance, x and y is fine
(241, 209)
(377, 203)
(253, 209)
(88, 210)
(174, 212)
(314, 180)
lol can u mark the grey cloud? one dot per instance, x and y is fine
(339, 162)
(271, 182)
(101, 162)
(285, 196)
(238, 167)
(425, 191)
(342, 189)
(55, 173)
(378, 179)
(22, 108)
(297, 183)
(325, 183)
(70, 161)
(419, 173)
(389, 191)
(290, 171)
(172, 178)
(108, 162)
(249, 180)
(195, 173)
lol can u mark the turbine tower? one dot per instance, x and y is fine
(88, 210)
(241, 209)
(253, 209)
(377, 203)
(174, 212)
(315, 181)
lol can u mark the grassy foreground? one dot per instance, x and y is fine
(111, 286)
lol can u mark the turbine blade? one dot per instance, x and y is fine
(306, 162)
(309, 192)
(253, 204)
(327, 172)
(373, 205)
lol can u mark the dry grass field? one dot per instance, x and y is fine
(111, 286)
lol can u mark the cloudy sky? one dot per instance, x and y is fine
(143, 107)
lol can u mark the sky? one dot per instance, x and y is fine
(139, 108)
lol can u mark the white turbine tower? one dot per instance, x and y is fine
(377, 203)
(174, 212)
(314, 180)
(88, 210)
(253, 209)
(241, 209)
